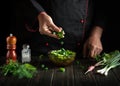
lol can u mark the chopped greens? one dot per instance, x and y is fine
(59, 34)
(77, 62)
(62, 56)
(44, 67)
(62, 52)
(61, 42)
(62, 69)
(41, 56)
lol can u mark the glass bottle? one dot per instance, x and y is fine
(26, 53)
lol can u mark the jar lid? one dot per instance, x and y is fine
(26, 46)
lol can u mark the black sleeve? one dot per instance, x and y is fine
(99, 14)
(37, 6)
(32, 7)
(31, 10)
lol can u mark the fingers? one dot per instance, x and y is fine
(94, 51)
(91, 52)
(55, 28)
(45, 30)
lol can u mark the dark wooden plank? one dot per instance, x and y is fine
(12, 81)
(116, 72)
(73, 76)
(109, 80)
(80, 78)
(63, 78)
(43, 78)
(2, 81)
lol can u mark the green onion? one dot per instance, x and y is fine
(109, 64)
(108, 61)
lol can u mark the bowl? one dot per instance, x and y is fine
(62, 57)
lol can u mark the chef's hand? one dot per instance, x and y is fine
(93, 45)
(46, 25)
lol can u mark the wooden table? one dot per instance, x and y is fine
(73, 76)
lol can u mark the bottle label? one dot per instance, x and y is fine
(26, 55)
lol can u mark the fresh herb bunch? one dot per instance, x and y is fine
(9, 68)
(25, 70)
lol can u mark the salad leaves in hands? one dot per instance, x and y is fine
(59, 34)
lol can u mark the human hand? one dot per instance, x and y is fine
(93, 45)
(47, 26)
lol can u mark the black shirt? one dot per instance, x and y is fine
(76, 17)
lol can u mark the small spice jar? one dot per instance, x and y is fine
(26, 53)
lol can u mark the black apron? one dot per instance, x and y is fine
(72, 16)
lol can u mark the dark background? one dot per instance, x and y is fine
(111, 40)
(11, 17)
(6, 23)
